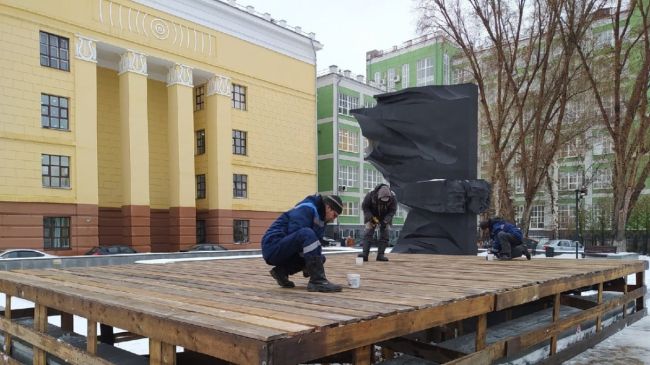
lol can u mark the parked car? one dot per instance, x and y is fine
(23, 253)
(204, 247)
(110, 250)
(565, 246)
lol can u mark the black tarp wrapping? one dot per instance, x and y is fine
(424, 141)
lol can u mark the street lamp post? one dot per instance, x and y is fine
(580, 193)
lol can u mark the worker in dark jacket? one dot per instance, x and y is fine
(379, 207)
(292, 243)
(507, 239)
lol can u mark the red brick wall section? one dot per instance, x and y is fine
(159, 230)
(136, 227)
(21, 225)
(219, 226)
(182, 228)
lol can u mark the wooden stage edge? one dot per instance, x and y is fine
(231, 311)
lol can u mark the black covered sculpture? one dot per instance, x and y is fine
(424, 141)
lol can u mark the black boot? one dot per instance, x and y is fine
(317, 280)
(381, 248)
(366, 250)
(281, 277)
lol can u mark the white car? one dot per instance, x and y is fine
(23, 253)
(565, 246)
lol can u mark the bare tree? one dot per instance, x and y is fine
(618, 76)
(525, 77)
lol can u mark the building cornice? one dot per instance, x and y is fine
(239, 23)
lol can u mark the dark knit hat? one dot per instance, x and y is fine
(384, 193)
(334, 202)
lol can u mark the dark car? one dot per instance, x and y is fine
(204, 247)
(110, 250)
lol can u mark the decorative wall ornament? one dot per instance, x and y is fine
(159, 28)
(219, 85)
(180, 74)
(132, 61)
(85, 48)
(127, 19)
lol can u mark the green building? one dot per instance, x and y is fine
(341, 166)
(417, 62)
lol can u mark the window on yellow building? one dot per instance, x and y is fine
(200, 142)
(238, 97)
(241, 230)
(56, 232)
(54, 112)
(55, 51)
(240, 186)
(238, 142)
(199, 98)
(200, 186)
(55, 171)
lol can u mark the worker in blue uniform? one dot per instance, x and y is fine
(507, 239)
(293, 242)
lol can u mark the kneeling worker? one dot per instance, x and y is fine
(292, 242)
(507, 239)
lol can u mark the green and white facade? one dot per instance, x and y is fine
(341, 166)
(417, 62)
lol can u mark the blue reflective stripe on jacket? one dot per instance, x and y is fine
(304, 215)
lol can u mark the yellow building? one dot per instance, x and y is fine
(151, 123)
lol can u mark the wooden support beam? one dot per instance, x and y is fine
(6, 360)
(40, 325)
(510, 345)
(577, 302)
(527, 294)
(387, 353)
(599, 318)
(481, 331)
(55, 347)
(161, 353)
(423, 350)
(106, 334)
(640, 302)
(363, 355)
(127, 336)
(91, 337)
(556, 317)
(67, 322)
(7, 344)
(625, 304)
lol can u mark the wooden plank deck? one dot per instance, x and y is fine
(234, 310)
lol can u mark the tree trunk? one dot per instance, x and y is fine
(551, 184)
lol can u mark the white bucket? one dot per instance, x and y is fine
(359, 260)
(354, 280)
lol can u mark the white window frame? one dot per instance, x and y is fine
(565, 215)
(350, 208)
(348, 140)
(372, 178)
(347, 103)
(405, 76)
(569, 180)
(424, 69)
(390, 79)
(348, 176)
(377, 77)
(537, 217)
(602, 179)
(445, 69)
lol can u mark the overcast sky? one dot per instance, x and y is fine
(346, 28)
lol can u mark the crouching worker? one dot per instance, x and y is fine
(507, 239)
(292, 242)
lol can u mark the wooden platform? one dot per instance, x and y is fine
(233, 310)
